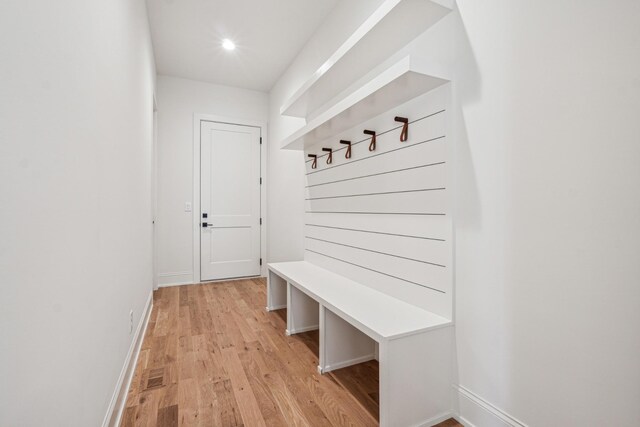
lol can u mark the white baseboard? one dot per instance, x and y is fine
(346, 363)
(277, 307)
(119, 398)
(472, 411)
(174, 279)
(301, 330)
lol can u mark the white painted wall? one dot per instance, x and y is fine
(546, 98)
(548, 230)
(178, 101)
(285, 185)
(76, 93)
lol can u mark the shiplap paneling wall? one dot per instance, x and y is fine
(383, 218)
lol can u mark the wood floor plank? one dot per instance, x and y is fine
(162, 323)
(337, 406)
(256, 370)
(362, 386)
(248, 335)
(212, 356)
(157, 352)
(147, 410)
(284, 360)
(286, 401)
(226, 411)
(170, 396)
(168, 416)
(247, 402)
(129, 416)
(188, 403)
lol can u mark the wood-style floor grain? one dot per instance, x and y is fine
(212, 356)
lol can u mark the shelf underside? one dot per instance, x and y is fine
(397, 85)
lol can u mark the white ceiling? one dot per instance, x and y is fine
(268, 33)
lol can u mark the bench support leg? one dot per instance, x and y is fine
(302, 311)
(276, 292)
(415, 379)
(341, 344)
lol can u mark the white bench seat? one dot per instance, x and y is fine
(358, 323)
(377, 314)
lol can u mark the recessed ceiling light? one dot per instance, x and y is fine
(228, 44)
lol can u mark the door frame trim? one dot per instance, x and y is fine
(195, 208)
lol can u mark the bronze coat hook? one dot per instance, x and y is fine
(347, 155)
(372, 145)
(330, 156)
(315, 161)
(405, 127)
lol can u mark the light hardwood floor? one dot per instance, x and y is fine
(212, 356)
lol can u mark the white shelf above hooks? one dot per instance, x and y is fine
(390, 27)
(404, 80)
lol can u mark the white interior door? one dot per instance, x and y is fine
(229, 201)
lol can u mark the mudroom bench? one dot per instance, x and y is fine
(357, 323)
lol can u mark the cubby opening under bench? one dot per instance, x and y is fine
(356, 324)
